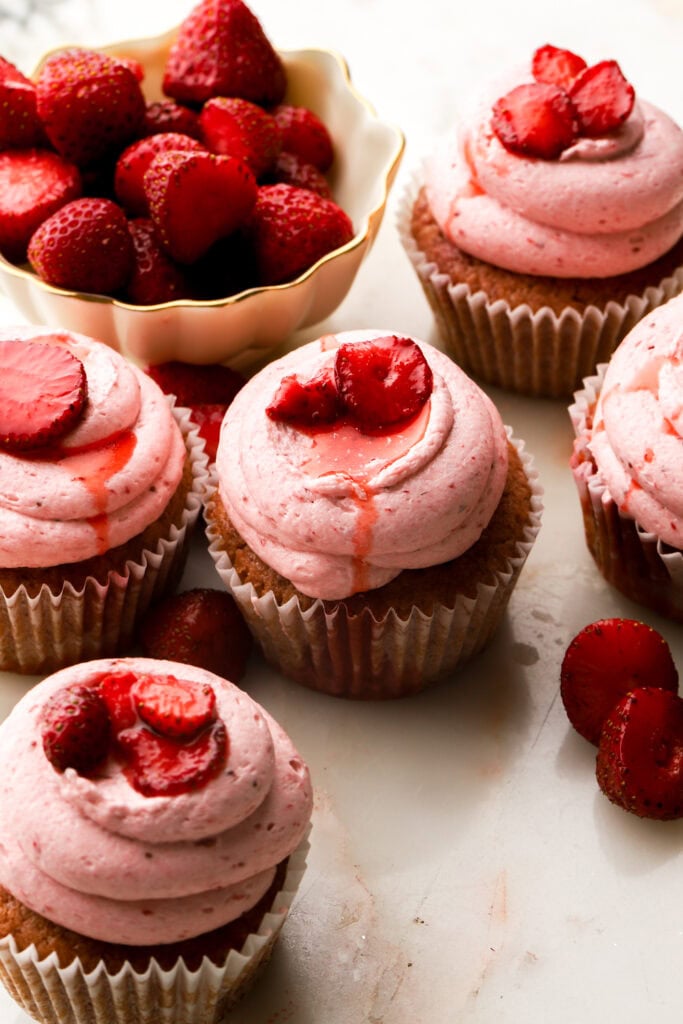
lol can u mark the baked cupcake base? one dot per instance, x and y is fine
(397, 639)
(534, 335)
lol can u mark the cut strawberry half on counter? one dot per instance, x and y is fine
(535, 119)
(384, 381)
(175, 708)
(602, 98)
(75, 729)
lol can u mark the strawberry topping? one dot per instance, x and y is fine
(306, 403)
(175, 708)
(159, 766)
(602, 98)
(535, 119)
(382, 382)
(116, 690)
(43, 389)
(555, 66)
(75, 729)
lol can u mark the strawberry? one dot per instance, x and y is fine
(85, 246)
(555, 66)
(603, 662)
(535, 119)
(34, 183)
(134, 161)
(232, 126)
(383, 381)
(292, 170)
(158, 766)
(306, 403)
(640, 757)
(305, 134)
(197, 198)
(199, 627)
(602, 98)
(208, 418)
(116, 690)
(75, 729)
(221, 50)
(169, 116)
(133, 65)
(155, 277)
(43, 390)
(197, 385)
(175, 708)
(90, 104)
(20, 125)
(291, 228)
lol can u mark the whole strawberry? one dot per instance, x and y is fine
(169, 116)
(134, 161)
(235, 127)
(75, 729)
(290, 169)
(20, 125)
(34, 183)
(305, 134)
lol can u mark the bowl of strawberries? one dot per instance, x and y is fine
(198, 196)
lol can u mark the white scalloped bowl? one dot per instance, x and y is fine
(239, 329)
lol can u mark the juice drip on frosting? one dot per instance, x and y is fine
(94, 467)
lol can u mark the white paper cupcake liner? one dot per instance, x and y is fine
(69, 995)
(361, 657)
(632, 559)
(48, 630)
(540, 353)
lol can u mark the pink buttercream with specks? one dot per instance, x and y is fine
(340, 512)
(82, 496)
(605, 207)
(637, 436)
(94, 855)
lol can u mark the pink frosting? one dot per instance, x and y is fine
(108, 479)
(637, 438)
(342, 512)
(607, 206)
(89, 853)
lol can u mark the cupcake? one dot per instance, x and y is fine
(628, 464)
(371, 514)
(155, 872)
(101, 482)
(549, 223)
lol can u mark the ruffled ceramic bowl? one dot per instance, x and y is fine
(242, 327)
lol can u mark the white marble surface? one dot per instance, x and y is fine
(464, 866)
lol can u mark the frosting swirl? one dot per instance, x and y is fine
(90, 852)
(338, 511)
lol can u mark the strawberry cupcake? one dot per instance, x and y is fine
(549, 224)
(101, 483)
(628, 466)
(158, 868)
(371, 514)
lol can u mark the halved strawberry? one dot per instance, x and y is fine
(305, 134)
(605, 660)
(175, 708)
(116, 690)
(306, 403)
(158, 766)
(382, 381)
(640, 757)
(556, 66)
(75, 729)
(602, 98)
(134, 161)
(232, 126)
(20, 125)
(34, 183)
(535, 119)
(43, 389)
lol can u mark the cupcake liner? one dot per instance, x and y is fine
(48, 630)
(540, 353)
(68, 995)
(362, 657)
(636, 562)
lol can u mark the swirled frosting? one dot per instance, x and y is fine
(106, 480)
(338, 511)
(94, 855)
(607, 206)
(637, 437)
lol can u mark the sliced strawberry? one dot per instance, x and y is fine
(292, 170)
(291, 228)
(384, 381)
(169, 116)
(197, 385)
(158, 766)
(90, 104)
(640, 758)
(602, 98)
(34, 183)
(199, 627)
(555, 66)
(20, 126)
(232, 126)
(175, 708)
(134, 161)
(306, 402)
(221, 50)
(305, 134)
(155, 277)
(75, 729)
(43, 389)
(197, 198)
(85, 246)
(535, 119)
(603, 662)
(116, 690)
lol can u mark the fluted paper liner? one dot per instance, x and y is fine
(540, 353)
(68, 995)
(47, 631)
(362, 657)
(636, 562)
